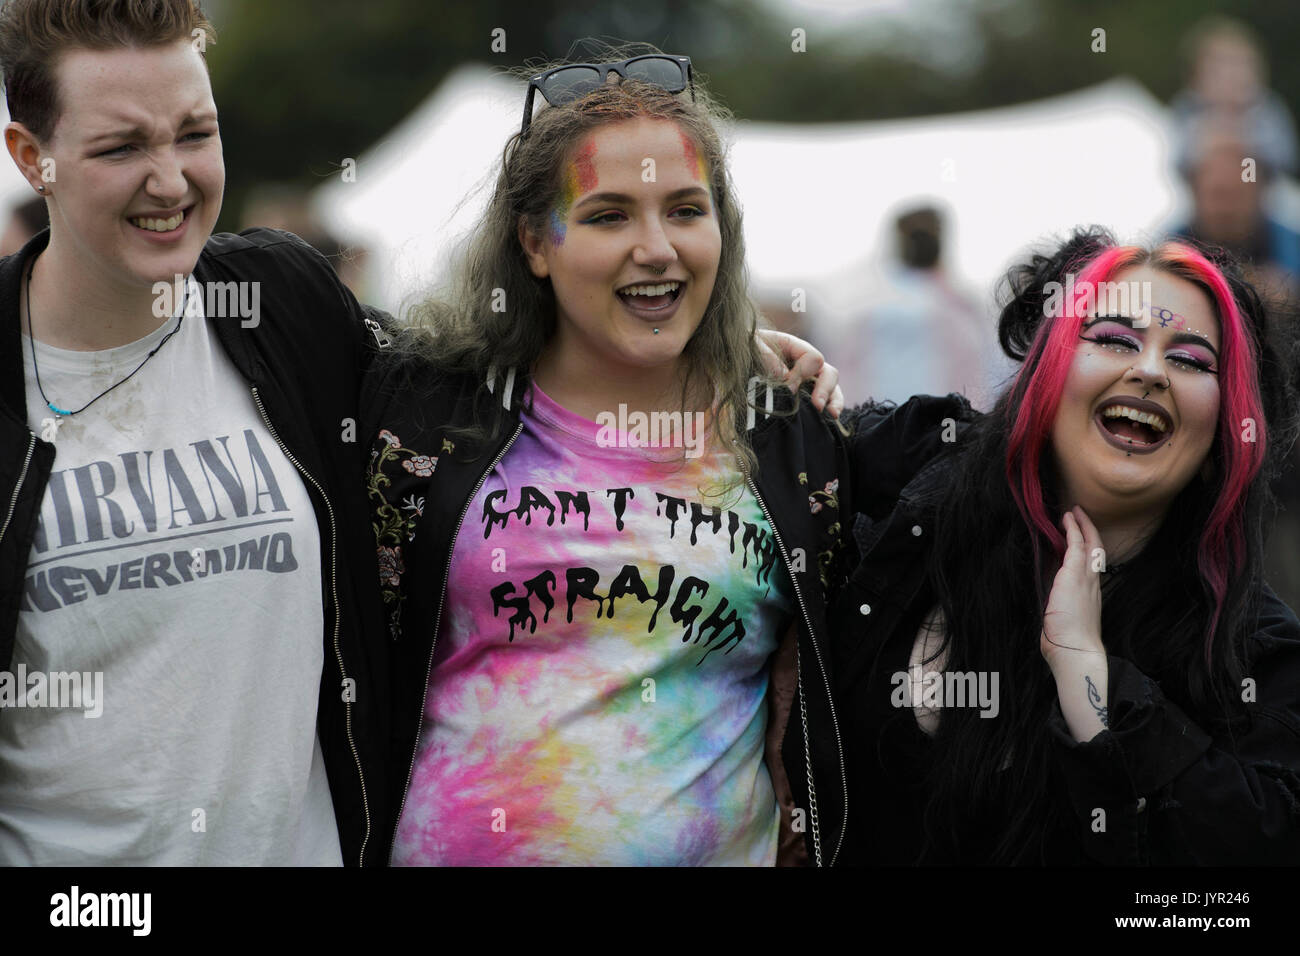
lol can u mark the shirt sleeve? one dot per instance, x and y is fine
(889, 444)
(370, 327)
(1160, 788)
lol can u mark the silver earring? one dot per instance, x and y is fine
(41, 189)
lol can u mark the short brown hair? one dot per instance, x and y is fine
(34, 32)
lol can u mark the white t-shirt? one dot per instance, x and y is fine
(176, 568)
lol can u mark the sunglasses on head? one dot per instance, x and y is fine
(564, 84)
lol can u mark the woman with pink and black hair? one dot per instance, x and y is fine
(1058, 646)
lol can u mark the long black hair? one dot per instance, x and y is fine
(1158, 610)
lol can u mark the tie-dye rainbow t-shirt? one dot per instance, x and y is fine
(598, 691)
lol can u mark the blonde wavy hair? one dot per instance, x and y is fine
(455, 328)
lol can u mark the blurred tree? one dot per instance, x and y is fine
(304, 83)
(995, 53)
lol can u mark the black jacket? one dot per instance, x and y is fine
(303, 362)
(796, 454)
(1175, 786)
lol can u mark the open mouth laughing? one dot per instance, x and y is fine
(1134, 425)
(652, 300)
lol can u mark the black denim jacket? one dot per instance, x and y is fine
(302, 361)
(1176, 787)
(411, 414)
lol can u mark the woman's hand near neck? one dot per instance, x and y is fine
(1123, 534)
(76, 307)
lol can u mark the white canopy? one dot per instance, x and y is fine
(817, 198)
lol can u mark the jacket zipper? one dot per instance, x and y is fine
(803, 711)
(437, 623)
(22, 476)
(338, 615)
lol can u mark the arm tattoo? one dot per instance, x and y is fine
(1094, 698)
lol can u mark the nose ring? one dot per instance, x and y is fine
(1162, 385)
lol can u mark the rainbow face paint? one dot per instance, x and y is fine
(579, 178)
(694, 161)
(696, 164)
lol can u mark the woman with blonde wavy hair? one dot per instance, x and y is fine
(603, 526)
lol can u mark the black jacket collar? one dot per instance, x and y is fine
(13, 391)
(13, 270)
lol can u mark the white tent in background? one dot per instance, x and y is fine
(817, 198)
(820, 200)
(425, 184)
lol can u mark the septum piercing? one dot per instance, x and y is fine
(1166, 386)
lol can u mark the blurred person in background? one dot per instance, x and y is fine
(1233, 215)
(920, 332)
(1226, 116)
(1233, 211)
(1228, 82)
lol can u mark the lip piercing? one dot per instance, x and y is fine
(656, 331)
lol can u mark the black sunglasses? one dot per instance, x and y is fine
(564, 84)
